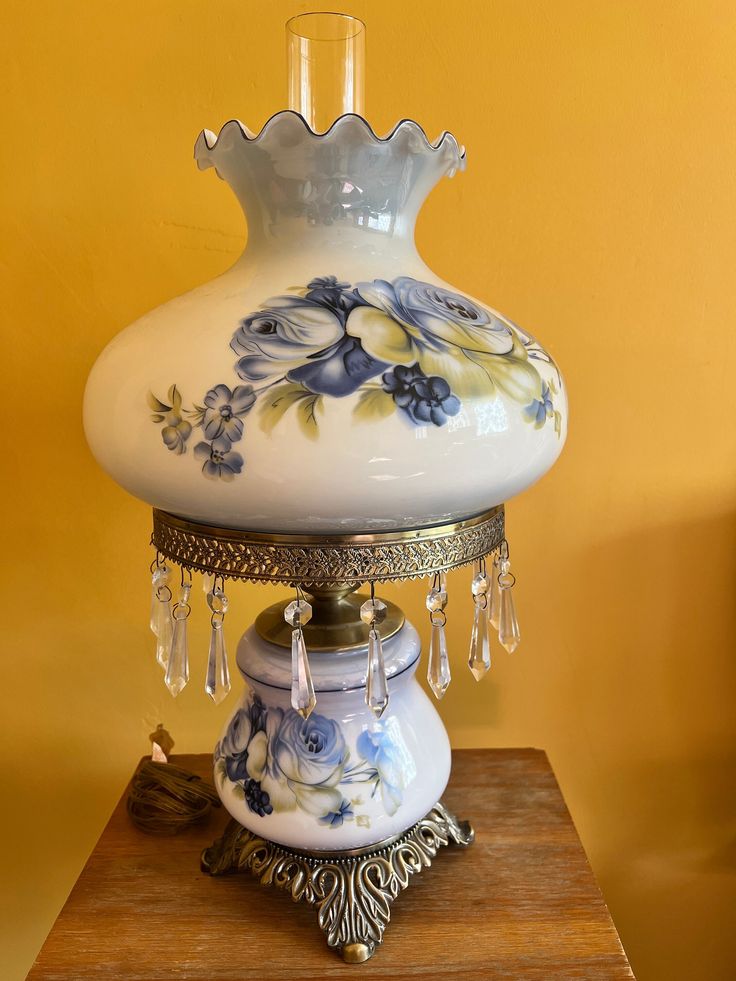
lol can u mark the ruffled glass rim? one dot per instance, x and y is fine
(207, 140)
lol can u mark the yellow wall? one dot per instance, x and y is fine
(597, 210)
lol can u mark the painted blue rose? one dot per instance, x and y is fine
(304, 337)
(297, 762)
(282, 335)
(221, 462)
(234, 746)
(434, 317)
(384, 748)
(224, 410)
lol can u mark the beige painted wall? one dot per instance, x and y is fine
(598, 211)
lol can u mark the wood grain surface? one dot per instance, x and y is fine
(520, 903)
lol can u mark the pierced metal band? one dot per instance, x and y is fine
(327, 560)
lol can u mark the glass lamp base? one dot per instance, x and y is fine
(352, 890)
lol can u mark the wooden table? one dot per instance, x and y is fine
(520, 903)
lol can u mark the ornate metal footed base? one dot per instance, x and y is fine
(352, 892)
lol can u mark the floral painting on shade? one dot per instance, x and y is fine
(404, 347)
(280, 762)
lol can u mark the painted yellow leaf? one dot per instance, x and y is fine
(465, 378)
(175, 398)
(513, 373)
(278, 401)
(307, 414)
(373, 404)
(156, 404)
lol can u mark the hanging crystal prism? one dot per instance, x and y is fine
(438, 669)
(481, 582)
(479, 656)
(303, 698)
(161, 623)
(376, 689)
(217, 683)
(437, 596)
(159, 578)
(208, 582)
(372, 613)
(177, 669)
(438, 664)
(164, 626)
(508, 626)
(494, 594)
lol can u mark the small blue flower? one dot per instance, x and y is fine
(176, 434)
(221, 462)
(327, 283)
(424, 398)
(335, 818)
(225, 409)
(541, 409)
(334, 294)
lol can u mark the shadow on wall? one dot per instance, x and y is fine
(655, 683)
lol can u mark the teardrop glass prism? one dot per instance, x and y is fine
(376, 690)
(479, 658)
(159, 578)
(508, 626)
(164, 631)
(153, 622)
(217, 684)
(303, 698)
(177, 670)
(438, 669)
(494, 597)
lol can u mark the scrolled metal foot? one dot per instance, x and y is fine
(351, 892)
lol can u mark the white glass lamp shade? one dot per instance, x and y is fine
(329, 381)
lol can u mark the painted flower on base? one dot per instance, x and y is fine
(281, 762)
(384, 748)
(310, 755)
(243, 726)
(336, 818)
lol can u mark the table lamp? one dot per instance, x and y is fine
(328, 414)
